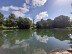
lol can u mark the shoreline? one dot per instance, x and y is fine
(33, 28)
(69, 51)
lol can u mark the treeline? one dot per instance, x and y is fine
(25, 23)
(12, 21)
(59, 22)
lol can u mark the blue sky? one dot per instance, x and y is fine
(39, 9)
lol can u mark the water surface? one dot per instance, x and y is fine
(34, 41)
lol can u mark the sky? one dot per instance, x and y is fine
(38, 9)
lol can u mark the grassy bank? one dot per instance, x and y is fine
(4, 27)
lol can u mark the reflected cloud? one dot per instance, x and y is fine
(41, 43)
(43, 39)
(17, 44)
(39, 51)
(6, 44)
(70, 35)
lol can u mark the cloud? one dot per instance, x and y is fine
(43, 39)
(25, 5)
(62, 2)
(4, 8)
(25, 8)
(7, 8)
(18, 11)
(27, 1)
(38, 2)
(18, 14)
(29, 18)
(18, 44)
(22, 10)
(14, 7)
(41, 15)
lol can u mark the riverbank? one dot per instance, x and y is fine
(6, 28)
(63, 52)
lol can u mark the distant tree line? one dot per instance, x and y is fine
(59, 22)
(12, 21)
(25, 23)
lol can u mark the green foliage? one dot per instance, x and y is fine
(45, 23)
(10, 21)
(61, 34)
(1, 19)
(24, 23)
(49, 23)
(41, 24)
(13, 35)
(59, 22)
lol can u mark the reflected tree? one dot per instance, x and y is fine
(59, 34)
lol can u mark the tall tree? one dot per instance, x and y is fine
(24, 23)
(11, 20)
(1, 19)
(61, 21)
(41, 24)
(49, 23)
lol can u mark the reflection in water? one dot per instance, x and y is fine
(70, 35)
(19, 42)
(34, 42)
(43, 39)
(39, 51)
(16, 45)
(6, 44)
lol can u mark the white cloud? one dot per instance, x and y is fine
(29, 18)
(7, 8)
(62, 2)
(25, 8)
(25, 5)
(22, 10)
(4, 8)
(39, 38)
(14, 7)
(38, 2)
(43, 39)
(27, 1)
(18, 11)
(18, 14)
(41, 15)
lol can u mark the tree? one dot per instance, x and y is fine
(24, 23)
(41, 24)
(11, 21)
(49, 23)
(1, 19)
(61, 21)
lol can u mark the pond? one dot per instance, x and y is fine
(34, 41)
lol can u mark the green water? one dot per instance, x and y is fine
(34, 41)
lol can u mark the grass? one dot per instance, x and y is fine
(4, 27)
